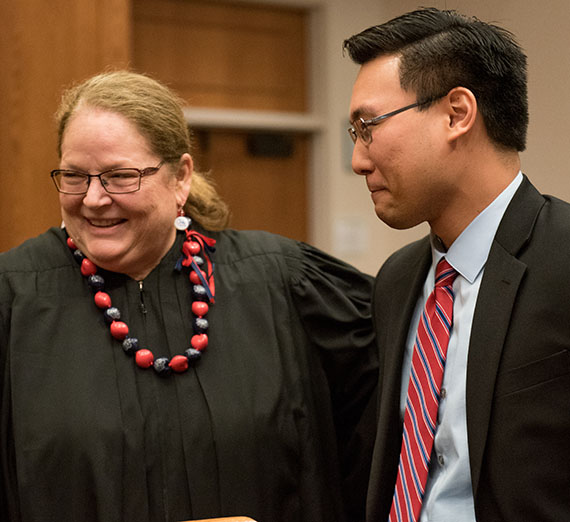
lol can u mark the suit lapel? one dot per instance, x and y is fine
(499, 288)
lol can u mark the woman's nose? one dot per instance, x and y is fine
(96, 195)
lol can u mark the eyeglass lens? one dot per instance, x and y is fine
(117, 181)
(360, 130)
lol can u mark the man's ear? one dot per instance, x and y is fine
(184, 178)
(462, 112)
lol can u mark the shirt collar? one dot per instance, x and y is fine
(470, 250)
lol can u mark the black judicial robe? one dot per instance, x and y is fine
(262, 426)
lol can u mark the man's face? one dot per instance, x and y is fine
(404, 164)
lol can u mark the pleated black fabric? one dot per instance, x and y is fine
(262, 426)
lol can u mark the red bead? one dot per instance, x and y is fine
(144, 358)
(88, 268)
(103, 300)
(199, 342)
(119, 330)
(199, 308)
(195, 278)
(71, 244)
(179, 363)
(191, 248)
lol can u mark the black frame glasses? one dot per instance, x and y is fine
(359, 128)
(121, 180)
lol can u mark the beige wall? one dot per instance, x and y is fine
(344, 216)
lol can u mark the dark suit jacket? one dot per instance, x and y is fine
(518, 373)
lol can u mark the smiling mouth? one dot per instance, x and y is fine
(104, 223)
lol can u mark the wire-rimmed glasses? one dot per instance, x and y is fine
(114, 181)
(360, 128)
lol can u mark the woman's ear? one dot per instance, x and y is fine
(462, 112)
(184, 178)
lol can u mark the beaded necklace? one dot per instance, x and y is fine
(196, 254)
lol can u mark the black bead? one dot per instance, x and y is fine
(193, 355)
(130, 345)
(112, 314)
(199, 293)
(96, 282)
(78, 255)
(201, 325)
(161, 366)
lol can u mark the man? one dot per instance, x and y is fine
(439, 116)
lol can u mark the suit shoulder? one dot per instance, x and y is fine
(406, 258)
(557, 207)
(553, 223)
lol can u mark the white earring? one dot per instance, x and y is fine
(182, 222)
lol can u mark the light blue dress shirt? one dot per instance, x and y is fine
(449, 495)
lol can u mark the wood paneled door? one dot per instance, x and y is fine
(262, 176)
(237, 56)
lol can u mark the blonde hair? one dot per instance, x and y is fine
(157, 113)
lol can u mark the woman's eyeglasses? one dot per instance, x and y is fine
(114, 181)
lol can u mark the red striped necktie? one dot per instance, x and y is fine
(420, 417)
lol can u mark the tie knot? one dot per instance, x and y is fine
(445, 274)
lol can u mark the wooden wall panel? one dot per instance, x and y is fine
(45, 46)
(219, 54)
(244, 56)
(264, 192)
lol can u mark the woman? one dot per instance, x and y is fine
(160, 371)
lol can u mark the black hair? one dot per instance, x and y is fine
(440, 50)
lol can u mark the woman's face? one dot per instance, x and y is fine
(126, 233)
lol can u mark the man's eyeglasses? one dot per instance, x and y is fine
(114, 181)
(360, 128)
